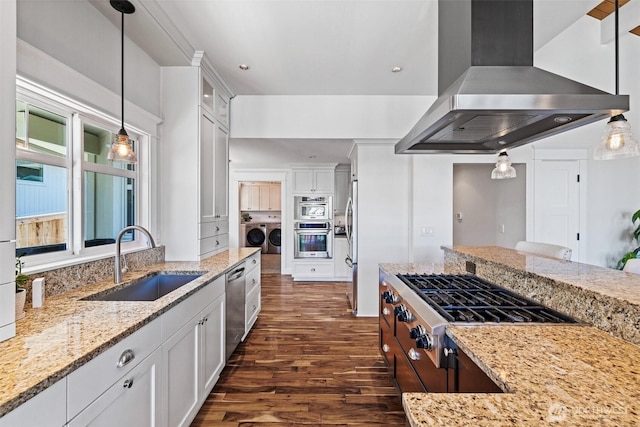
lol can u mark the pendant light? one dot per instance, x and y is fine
(121, 149)
(503, 169)
(617, 141)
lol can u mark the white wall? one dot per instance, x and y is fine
(612, 195)
(78, 35)
(340, 117)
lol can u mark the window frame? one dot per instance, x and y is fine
(79, 114)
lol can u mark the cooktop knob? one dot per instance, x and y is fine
(425, 341)
(417, 332)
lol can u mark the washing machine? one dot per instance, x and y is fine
(256, 236)
(273, 238)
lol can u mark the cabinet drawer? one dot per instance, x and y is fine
(304, 269)
(175, 318)
(253, 262)
(210, 245)
(252, 280)
(252, 309)
(210, 229)
(86, 383)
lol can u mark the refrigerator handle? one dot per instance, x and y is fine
(347, 227)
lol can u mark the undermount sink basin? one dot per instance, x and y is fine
(148, 288)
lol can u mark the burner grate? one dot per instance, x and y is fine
(469, 299)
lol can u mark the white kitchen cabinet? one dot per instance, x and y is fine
(134, 400)
(313, 270)
(86, 384)
(47, 408)
(192, 352)
(310, 181)
(342, 178)
(340, 251)
(195, 166)
(253, 292)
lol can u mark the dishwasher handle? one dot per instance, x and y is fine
(236, 274)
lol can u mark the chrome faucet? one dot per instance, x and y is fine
(118, 269)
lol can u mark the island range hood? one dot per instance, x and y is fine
(491, 97)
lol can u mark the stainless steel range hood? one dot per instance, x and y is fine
(495, 99)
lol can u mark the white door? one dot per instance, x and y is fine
(557, 203)
(213, 345)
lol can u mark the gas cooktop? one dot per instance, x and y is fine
(470, 299)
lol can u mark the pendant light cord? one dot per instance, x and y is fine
(122, 69)
(617, 50)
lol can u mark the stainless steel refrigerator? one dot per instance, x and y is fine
(351, 220)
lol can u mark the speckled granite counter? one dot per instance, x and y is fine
(565, 375)
(66, 333)
(606, 298)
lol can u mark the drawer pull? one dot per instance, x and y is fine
(254, 309)
(386, 348)
(413, 354)
(386, 311)
(217, 243)
(126, 357)
(253, 261)
(313, 270)
(217, 228)
(253, 281)
(128, 383)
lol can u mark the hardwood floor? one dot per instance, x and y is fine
(307, 361)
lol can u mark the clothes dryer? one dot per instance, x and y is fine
(257, 236)
(274, 238)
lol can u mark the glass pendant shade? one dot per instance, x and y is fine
(503, 169)
(121, 149)
(617, 141)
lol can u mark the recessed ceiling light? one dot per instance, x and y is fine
(243, 67)
(396, 69)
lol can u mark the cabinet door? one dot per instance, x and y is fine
(249, 197)
(207, 168)
(212, 345)
(221, 178)
(180, 374)
(265, 199)
(134, 400)
(303, 181)
(274, 197)
(47, 408)
(323, 181)
(341, 190)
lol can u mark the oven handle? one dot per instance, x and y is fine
(312, 231)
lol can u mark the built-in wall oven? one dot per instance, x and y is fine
(313, 208)
(312, 239)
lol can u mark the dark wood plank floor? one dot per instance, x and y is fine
(307, 361)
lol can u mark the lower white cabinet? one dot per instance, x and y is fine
(252, 292)
(313, 270)
(193, 357)
(340, 251)
(134, 400)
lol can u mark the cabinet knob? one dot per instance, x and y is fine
(128, 383)
(253, 261)
(217, 228)
(386, 348)
(253, 281)
(217, 243)
(125, 358)
(313, 270)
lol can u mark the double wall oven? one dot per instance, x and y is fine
(414, 313)
(313, 227)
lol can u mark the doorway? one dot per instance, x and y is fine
(488, 212)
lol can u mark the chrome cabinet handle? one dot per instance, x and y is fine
(253, 261)
(217, 228)
(386, 348)
(386, 311)
(254, 308)
(413, 354)
(126, 357)
(313, 269)
(253, 281)
(128, 383)
(217, 243)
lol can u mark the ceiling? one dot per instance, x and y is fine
(310, 47)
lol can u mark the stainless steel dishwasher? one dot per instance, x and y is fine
(235, 302)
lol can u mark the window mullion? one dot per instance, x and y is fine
(77, 187)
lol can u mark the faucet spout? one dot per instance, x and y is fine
(118, 269)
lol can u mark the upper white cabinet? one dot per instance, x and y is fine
(308, 181)
(343, 178)
(195, 166)
(260, 197)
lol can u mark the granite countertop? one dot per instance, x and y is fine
(567, 375)
(556, 375)
(66, 333)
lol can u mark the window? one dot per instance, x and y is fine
(70, 200)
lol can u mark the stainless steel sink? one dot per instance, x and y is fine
(148, 288)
